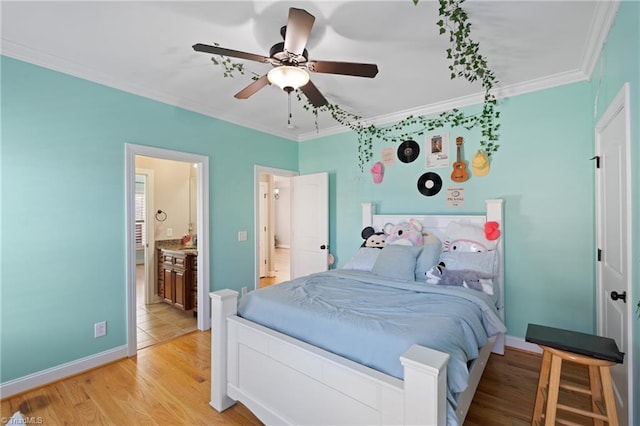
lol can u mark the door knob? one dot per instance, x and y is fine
(323, 247)
(615, 296)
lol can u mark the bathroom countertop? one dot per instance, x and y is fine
(177, 246)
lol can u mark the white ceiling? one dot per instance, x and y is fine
(145, 48)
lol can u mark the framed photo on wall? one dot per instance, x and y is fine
(437, 150)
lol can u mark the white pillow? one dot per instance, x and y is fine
(364, 259)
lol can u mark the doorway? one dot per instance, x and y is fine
(613, 228)
(157, 318)
(273, 225)
(201, 178)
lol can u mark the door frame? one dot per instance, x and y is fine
(620, 103)
(257, 171)
(262, 238)
(202, 218)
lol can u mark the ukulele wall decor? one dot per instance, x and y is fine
(459, 173)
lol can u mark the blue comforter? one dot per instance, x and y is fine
(374, 320)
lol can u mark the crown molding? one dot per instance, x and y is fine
(535, 85)
(55, 63)
(603, 20)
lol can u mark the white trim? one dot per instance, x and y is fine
(41, 378)
(523, 345)
(204, 310)
(603, 19)
(43, 59)
(257, 171)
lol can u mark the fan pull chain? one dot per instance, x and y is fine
(289, 125)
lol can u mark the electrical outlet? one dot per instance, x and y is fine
(243, 291)
(169, 232)
(100, 329)
(242, 236)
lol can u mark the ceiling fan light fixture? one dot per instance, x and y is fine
(288, 78)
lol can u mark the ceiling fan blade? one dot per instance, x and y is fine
(252, 88)
(344, 68)
(298, 29)
(313, 94)
(215, 50)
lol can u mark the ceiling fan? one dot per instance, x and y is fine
(291, 61)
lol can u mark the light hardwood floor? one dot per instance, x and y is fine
(169, 384)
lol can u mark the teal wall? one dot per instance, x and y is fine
(543, 173)
(63, 207)
(620, 63)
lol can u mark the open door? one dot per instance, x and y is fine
(309, 224)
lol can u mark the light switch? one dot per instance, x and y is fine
(242, 236)
(169, 232)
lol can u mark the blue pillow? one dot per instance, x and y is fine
(397, 262)
(364, 259)
(429, 256)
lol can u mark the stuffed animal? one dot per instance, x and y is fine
(373, 238)
(467, 237)
(404, 234)
(476, 280)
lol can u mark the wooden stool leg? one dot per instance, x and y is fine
(609, 399)
(543, 381)
(596, 394)
(554, 390)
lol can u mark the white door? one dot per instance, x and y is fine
(264, 217)
(613, 242)
(309, 224)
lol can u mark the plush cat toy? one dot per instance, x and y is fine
(404, 234)
(468, 237)
(476, 280)
(373, 238)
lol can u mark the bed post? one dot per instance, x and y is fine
(368, 210)
(495, 213)
(425, 386)
(223, 304)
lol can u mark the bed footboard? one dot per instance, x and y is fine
(283, 380)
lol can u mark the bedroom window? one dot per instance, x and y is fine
(140, 213)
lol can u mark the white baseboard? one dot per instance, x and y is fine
(23, 384)
(520, 343)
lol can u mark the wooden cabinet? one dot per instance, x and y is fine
(177, 278)
(194, 283)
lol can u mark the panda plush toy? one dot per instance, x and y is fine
(372, 238)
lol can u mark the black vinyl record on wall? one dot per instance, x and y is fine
(429, 184)
(408, 151)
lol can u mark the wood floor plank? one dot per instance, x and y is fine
(169, 383)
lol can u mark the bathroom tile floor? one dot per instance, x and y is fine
(159, 322)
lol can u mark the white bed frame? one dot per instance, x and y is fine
(285, 381)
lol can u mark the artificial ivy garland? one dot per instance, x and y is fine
(467, 62)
